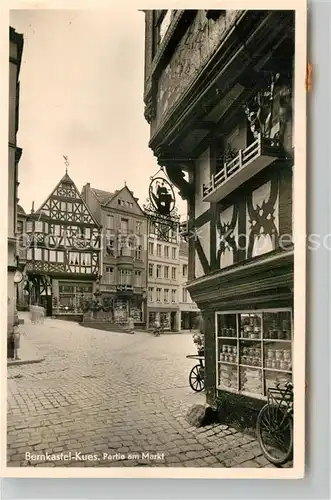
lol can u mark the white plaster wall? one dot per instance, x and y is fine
(227, 258)
(264, 243)
(204, 238)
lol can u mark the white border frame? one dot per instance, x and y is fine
(300, 228)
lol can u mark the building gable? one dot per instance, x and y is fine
(125, 201)
(66, 204)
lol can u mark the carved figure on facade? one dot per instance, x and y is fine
(262, 110)
(150, 110)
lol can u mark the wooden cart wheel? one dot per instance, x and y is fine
(196, 379)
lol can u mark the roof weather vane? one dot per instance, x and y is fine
(66, 162)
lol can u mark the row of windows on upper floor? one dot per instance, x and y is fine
(57, 229)
(156, 228)
(122, 277)
(73, 258)
(126, 225)
(162, 295)
(166, 251)
(124, 203)
(155, 294)
(158, 271)
(123, 250)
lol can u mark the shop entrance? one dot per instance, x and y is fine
(121, 310)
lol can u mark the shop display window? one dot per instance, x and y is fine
(253, 350)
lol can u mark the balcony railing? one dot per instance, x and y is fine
(246, 164)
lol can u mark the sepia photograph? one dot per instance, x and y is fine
(155, 272)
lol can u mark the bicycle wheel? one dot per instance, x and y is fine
(274, 429)
(196, 379)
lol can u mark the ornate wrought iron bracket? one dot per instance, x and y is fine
(160, 207)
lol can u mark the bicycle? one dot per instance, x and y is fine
(197, 374)
(274, 425)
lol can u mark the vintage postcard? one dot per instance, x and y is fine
(156, 240)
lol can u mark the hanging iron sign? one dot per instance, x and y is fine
(160, 208)
(162, 196)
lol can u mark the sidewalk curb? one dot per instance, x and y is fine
(24, 362)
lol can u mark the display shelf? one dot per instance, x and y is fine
(227, 338)
(250, 340)
(277, 340)
(251, 366)
(276, 370)
(227, 363)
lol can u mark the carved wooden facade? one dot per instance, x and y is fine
(221, 85)
(63, 240)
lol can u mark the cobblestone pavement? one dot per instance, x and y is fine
(117, 398)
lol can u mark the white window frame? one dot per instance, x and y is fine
(38, 255)
(109, 275)
(174, 273)
(38, 226)
(151, 267)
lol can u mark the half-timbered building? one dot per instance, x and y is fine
(219, 99)
(63, 259)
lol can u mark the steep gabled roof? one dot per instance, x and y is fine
(105, 197)
(102, 196)
(67, 180)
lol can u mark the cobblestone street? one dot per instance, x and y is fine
(117, 397)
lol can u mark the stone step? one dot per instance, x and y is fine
(108, 327)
